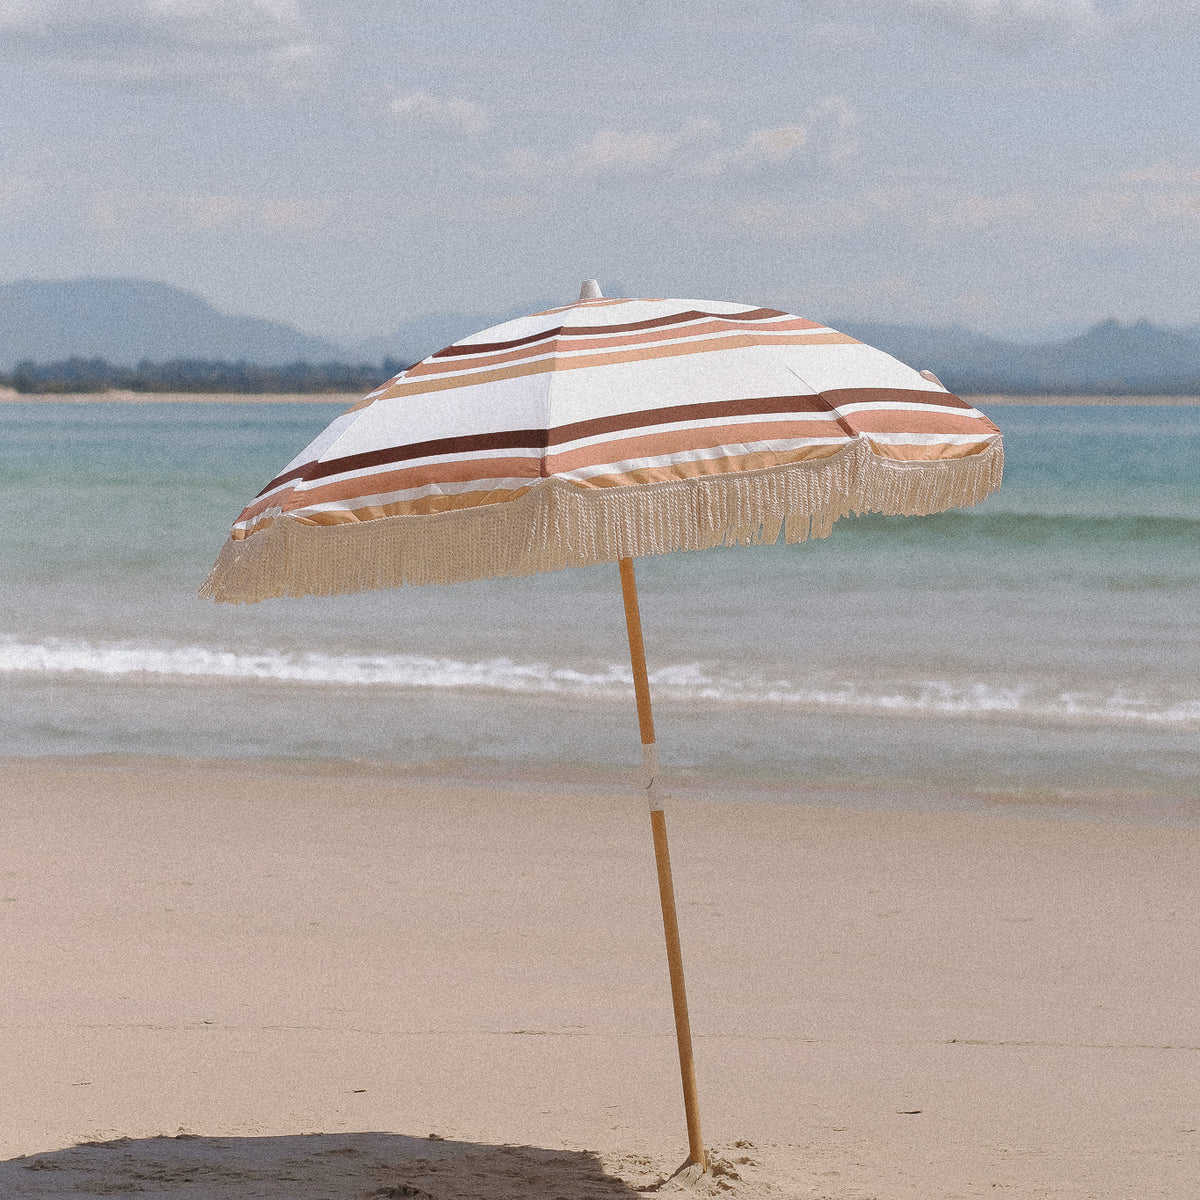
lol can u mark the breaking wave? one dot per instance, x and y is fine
(686, 682)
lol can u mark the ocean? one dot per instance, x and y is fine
(1042, 649)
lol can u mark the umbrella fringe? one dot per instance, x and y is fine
(558, 524)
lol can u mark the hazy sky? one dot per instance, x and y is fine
(1012, 165)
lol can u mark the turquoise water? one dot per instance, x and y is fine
(1042, 645)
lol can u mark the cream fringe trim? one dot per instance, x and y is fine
(557, 524)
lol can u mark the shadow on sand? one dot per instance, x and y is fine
(318, 1166)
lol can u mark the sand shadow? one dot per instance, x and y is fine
(317, 1166)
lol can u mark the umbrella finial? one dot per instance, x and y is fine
(590, 290)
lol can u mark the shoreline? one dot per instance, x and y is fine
(8, 396)
(882, 1002)
(566, 783)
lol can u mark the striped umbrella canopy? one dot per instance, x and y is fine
(603, 431)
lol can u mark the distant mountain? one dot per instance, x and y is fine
(419, 338)
(1111, 358)
(935, 349)
(127, 321)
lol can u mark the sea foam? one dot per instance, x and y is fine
(705, 683)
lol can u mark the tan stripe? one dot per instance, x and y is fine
(456, 471)
(680, 441)
(733, 342)
(691, 469)
(240, 535)
(422, 506)
(674, 320)
(652, 445)
(656, 445)
(696, 468)
(601, 303)
(565, 342)
(278, 500)
(923, 420)
(908, 453)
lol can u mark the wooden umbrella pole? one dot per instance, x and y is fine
(662, 858)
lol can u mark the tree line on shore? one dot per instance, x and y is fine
(97, 375)
(1024, 377)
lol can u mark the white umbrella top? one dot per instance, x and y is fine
(602, 430)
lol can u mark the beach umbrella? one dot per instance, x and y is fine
(600, 432)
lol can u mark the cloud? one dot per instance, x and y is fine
(25, 180)
(828, 130)
(1164, 173)
(619, 150)
(992, 14)
(1018, 24)
(207, 212)
(1007, 24)
(978, 212)
(441, 114)
(701, 148)
(227, 46)
(762, 147)
(1135, 208)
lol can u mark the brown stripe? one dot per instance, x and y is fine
(757, 314)
(682, 441)
(733, 341)
(685, 470)
(379, 483)
(512, 439)
(428, 367)
(692, 469)
(708, 411)
(535, 439)
(532, 439)
(464, 471)
(404, 386)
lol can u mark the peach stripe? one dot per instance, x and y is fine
(734, 342)
(275, 500)
(456, 471)
(690, 469)
(943, 420)
(907, 453)
(422, 506)
(604, 302)
(680, 441)
(565, 342)
(695, 468)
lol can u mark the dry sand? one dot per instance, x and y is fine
(277, 984)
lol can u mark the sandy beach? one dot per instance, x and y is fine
(224, 981)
